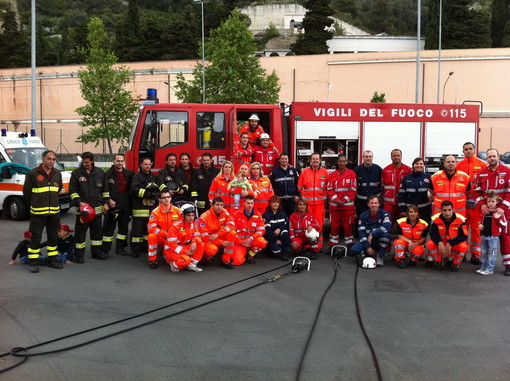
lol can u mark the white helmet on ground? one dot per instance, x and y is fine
(312, 235)
(368, 263)
(254, 117)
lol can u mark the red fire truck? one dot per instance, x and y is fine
(428, 131)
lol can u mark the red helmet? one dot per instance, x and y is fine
(88, 214)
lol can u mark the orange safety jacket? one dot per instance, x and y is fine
(453, 190)
(181, 234)
(450, 233)
(414, 233)
(219, 188)
(312, 185)
(262, 191)
(210, 223)
(254, 226)
(472, 166)
(390, 181)
(342, 187)
(161, 221)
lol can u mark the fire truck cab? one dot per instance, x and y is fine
(195, 129)
(20, 148)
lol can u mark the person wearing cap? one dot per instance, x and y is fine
(119, 186)
(265, 154)
(65, 244)
(184, 243)
(253, 129)
(88, 186)
(41, 188)
(160, 222)
(22, 249)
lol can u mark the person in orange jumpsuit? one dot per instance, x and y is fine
(184, 246)
(447, 237)
(411, 233)
(472, 166)
(218, 231)
(391, 177)
(450, 184)
(262, 187)
(160, 221)
(342, 187)
(250, 228)
(301, 221)
(312, 185)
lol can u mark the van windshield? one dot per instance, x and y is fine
(31, 157)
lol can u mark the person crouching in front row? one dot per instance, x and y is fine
(374, 228)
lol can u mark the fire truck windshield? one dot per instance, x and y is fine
(31, 157)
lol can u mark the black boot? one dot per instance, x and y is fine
(33, 266)
(54, 264)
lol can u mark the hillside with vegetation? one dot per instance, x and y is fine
(143, 30)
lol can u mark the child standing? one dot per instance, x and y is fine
(491, 225)
(237, 185)
(22, 249)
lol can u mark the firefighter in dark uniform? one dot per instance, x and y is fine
(41, 189)
(144, 196)
(88, 186)
(172, 173)
(119, 187)
(201, 182)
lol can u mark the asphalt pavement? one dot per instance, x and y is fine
(423, 324)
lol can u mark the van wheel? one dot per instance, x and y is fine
(17, 209)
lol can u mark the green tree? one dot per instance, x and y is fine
(234, 74)
(316, 24)
(129, 45)
(14, 44)
(381, 16)
(110, 108)
(378, 98)
(464, 27)
(500, 22)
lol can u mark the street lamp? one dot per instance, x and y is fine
(445, 82)
(201, 2)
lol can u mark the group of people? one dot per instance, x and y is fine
(259, 201)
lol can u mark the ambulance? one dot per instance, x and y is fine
(22, 148)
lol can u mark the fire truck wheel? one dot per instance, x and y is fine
(17, 209)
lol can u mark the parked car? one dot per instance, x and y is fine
(505, 158)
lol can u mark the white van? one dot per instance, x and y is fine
(20, 148)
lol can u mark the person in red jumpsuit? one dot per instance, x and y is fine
(300, 222)
(391, 178)
(342, 186)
